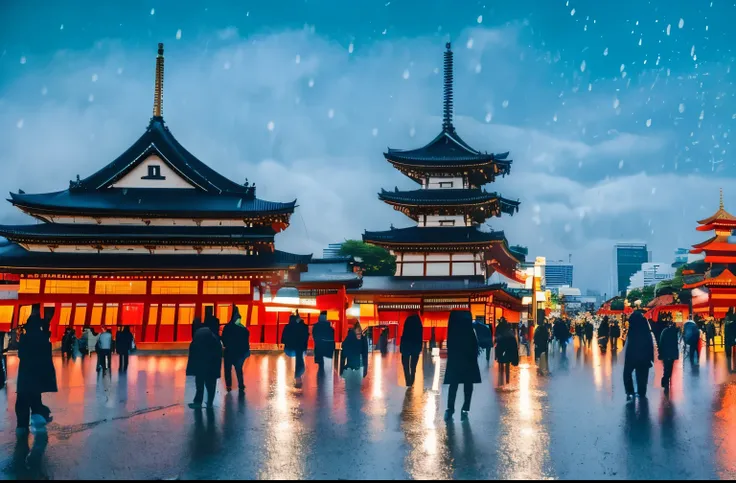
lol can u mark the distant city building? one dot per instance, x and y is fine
(651, 274)
(628, 259)
(332, 250)
(681, 257)
(557, 274)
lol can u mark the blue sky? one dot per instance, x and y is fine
(618, 118)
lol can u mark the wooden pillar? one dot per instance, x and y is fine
(158, 321)
(176, 322)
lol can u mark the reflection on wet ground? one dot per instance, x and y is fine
(572, 424)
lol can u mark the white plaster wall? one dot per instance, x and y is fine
(434, 183)
(434, 220)
(133, 179)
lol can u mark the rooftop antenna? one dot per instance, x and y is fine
(447, 103)
(158, 93)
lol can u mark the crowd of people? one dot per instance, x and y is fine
(468, 341)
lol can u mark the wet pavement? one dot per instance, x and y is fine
(574, 423)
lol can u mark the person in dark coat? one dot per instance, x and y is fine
(196, 325)
(710, 334)
(3, 375)
(211, 321)
(669, 352)
(36, 373)
(541, 344)
(589, 330)
(354, 351)
(604, 331)
(580, 332)
(615, 332)
(484, 336)
(639, 355)
(324, 340)
(462, 361)
(691, 337)
(729, 337)
(295, 339)
(411, 347)
(561, 333)
(507, 352)
(205, 364)
(383, 341)
(236, 340)
(123, 346)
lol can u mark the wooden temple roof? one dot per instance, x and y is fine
(433, 236)
(719, 218)
(724, 279)
(448, 197)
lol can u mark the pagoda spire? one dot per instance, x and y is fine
(158, 92)
(447, 104)
(721, 202)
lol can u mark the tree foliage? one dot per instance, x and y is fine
(645, 295)
(376, 260)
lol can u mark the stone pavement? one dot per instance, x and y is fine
(574, 423)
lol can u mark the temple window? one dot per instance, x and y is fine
(445, 184)
(25, 312)
(154, 172)
(6, 314)
(111, 315)
(96, 316)
(79, 314)
(65, 316)
(179, 287)
(167, 314)
(67, 286)
(29, 286)
(152, 314)
(234, 287)
(120, 288)
(186, 313)
(447, 222)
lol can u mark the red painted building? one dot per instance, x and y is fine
(148, 241)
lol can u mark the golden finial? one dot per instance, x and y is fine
(158, 93)
(721, 205)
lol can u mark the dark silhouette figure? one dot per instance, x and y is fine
(669, 352)
(729, 337)
(604, 331)
(205, 364)
(236, 340)
(562, 334)
(484, 336)
(3, 375)
(324, 340)
(691, 336)
(354, 352)
(639, 355)
(541, 346)
(295, 338)
(211, 321)
(589, 329)
(411, 347)
(462, 360)
(507, 352)
(615, 332)
(383, 341)
(123, 346)
(36, 373)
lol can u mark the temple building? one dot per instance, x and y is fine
(149, 241)
(445, 260)
(712, 280)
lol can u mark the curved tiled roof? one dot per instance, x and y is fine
(439, 197)
(439, 235)
(446, 148)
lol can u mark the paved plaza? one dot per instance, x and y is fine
(574, 423)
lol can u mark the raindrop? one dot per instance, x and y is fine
(23, 60)
(331, 113)
(682, 23)
(692, 51)
(480, 18)
(605, 52)
(505, 104)
(654, 190)
(94, 77)
(412, 132)
(649, 123)
(470, 43)
(572, 12)
(554, 118)
(226, 66)
(622, 68)
(478, 68)
(590, 87)
(19, 124)
(62, 27)
(616, 103)
(120, 70)
(640, 42)
(351, 47)
(374, 131)
(91, 98)
(489, 116)
(153, 11)
(311, 83)
(270, 126)
(178, 34)
(406, 74)
(582, 66)
(298, 59)
(681, 108)
(702, 115)
(44, 91)
(621, 164)
(669, 29)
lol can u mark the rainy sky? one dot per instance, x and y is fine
(618, 115)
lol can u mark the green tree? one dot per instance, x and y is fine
(647, 295)
(617, 304)
(634, 295)
(376, 260)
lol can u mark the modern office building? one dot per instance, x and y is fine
(628, 259)
(558, 274)
(681, 257)
(332, 250)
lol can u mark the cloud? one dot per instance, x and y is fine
(335, 112)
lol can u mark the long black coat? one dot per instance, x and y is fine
(615, 330)
(124, 342)
(295, 336)
(412, 336)
(36, 373)
(462, 350)
(604, 329)
(483, 334)
(669, 348)
(205, 355)
(354, 352)
(541, 340)
(639, 343)
(729, 333)
(236, 339)
(507, 349)
(324, 339)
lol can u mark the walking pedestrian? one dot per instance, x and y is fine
(383, 341)
(589, 329)
(105, 347)
(462, 361)
(615, 332)
(354, 351)
(691, 337)
(669, 352)
(710, 335)
(36, 374)
(604, 331)
(3, 372)
(211, 321)
(561, 334)
(295, 338)
(639, 355)
(729, 337)
(484, 336)
(541, 346)
(236, 340)
(123, 346)
(410, 347)
(524, 338)
(205, 364)
(507, 353)
(324, 341)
